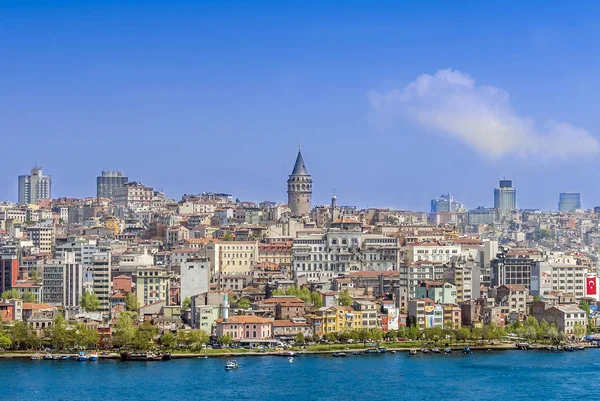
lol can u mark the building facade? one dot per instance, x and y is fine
(569, 202)
(34, 187)
(108, 182)
(505, 196)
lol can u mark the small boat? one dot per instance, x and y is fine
(358, 353)
(568, 348)
(93, 357)
(36, 357)
(146, 356)
(523, 346)
(381, 349)
(55, 357)
(65, 357)
(447, 350)
(48, 357)
(413, 352)
(436, 351)
(291, 359)
(466, 350)
(393, 351)
(339, 354)
(426, 351)
(231, 365)
(579, 348)
(82, 357)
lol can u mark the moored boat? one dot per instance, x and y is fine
(381, 349)
(48, 357)
(93, 357)
(568, 348)
(426, 351)
(413, 352)
(65, 357)
(579, 348)
(436, 350)
(447, 350)
(82, 357)
(466, 350)
(36, 357)
(145, 356)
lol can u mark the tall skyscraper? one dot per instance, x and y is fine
(34, 187)
(505, 197)
(108, 182)
(300, 188)
(445, 203)
(569, 201)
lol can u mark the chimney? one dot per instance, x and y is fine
(24, 274)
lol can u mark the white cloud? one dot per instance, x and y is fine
(479, 115)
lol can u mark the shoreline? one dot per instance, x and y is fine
(456, 348)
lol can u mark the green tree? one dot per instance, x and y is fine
(5, 341)
(228, 237)
(376, 335)
(131, 302)
(243, 303)
(226, 340)
(463, 334)
(583, 305)
(57, 333)
(186, 303)
(414, 333)
(579, 330)
(124, 332)
(299, 339)
(344, 298)
(168, 340)
(277, 292)
(33, 275)
(29, 297)
(11, 294)
(316, 299)
(90, 302)
(22, 335)
(196, 339)
(84, 337)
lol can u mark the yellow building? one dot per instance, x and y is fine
(113, 224)
(336, 319)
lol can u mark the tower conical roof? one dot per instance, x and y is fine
(299, 168)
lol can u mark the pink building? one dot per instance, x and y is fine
(246, 328)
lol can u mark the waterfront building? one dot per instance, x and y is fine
(569, 202)
(9, 270)
(300, 188)
(512, 270)
(246, 330)
(505, 196)
(108, 182)
(565, 317)
(34, 187)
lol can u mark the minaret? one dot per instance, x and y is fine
(225, 308)
(335, 210)
(300, 188)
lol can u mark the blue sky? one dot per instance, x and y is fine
(394, 103)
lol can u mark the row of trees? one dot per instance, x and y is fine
(14, 294)
(60, 336)
(314, 297)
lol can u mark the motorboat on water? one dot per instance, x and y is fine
(36, 357)
(436, 351)
(426, 351)
(568, 348)
(65, 357)
(82, 357)
(466, 350)
(579, 348)
(447, 350)
(291, 359)
(339, 354)
(231, 365)
(48, 357)
(413, 352)
(93, 357)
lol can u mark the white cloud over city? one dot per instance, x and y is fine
(451, 103)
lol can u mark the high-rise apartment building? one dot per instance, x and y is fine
(101, 278)
(569, 202)
(34, 187)
(108, 182)
(63, 281)
(505, 197)
(9, 270)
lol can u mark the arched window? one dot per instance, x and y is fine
(334, 242)
(344, 242)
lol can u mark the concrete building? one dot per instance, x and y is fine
(152, 285)
(481, 216)
(42, 236)
(300, 188)
(63, 281)
(195, 277)
(132, 195)
(505, 196)
(102, 279)
(108, 182)
(441, 293)
(512, 270)
(566, 317)
(9, 270)
(232, 256)
(569, 201)
(34, 187)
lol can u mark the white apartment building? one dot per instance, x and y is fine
(195, 277)
(132, 195)
(152, 285)
(232, 256)
(322, 256)
(411, 274)
(83, 249)
(102, 279)
(570, 279)
(42, 236)
(433, 251)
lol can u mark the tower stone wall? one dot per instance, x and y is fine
(300, 188)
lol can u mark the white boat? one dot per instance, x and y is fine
(413, 352)
(36, 357)
(93, 357)
(82, 357)
(231, 365)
